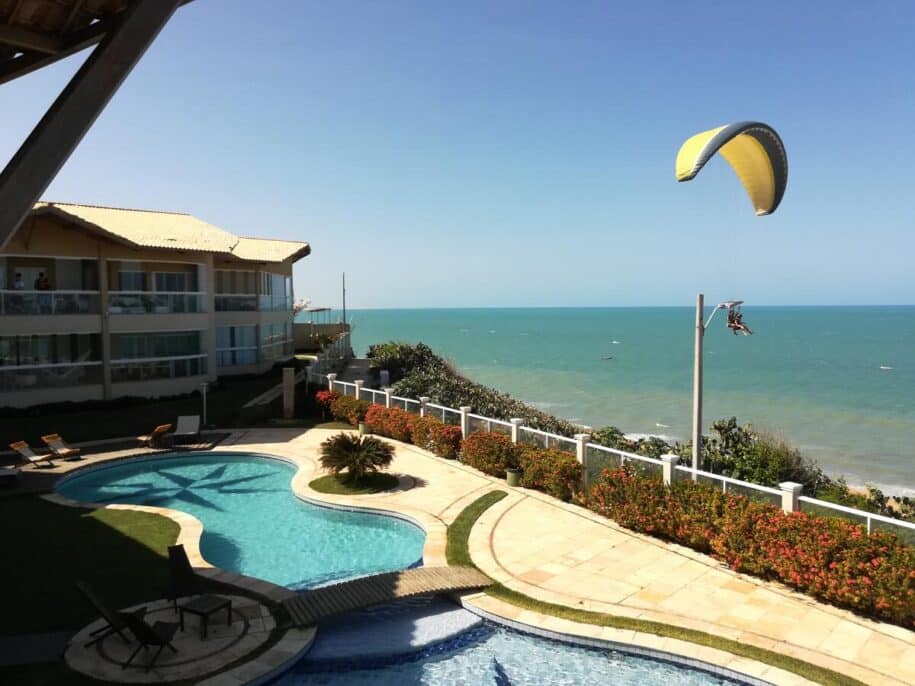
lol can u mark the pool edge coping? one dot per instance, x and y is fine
(639, 644)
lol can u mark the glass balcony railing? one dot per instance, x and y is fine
(122, 302)
(150, 369)
(275, 303)
(49, 302)
(50, 376)
(236, 303)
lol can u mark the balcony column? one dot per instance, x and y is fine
(208, 285)
(105, 322)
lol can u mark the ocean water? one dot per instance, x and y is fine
(838, 382)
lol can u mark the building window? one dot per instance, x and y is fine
(131, 281)
(49, 361)
(236, 291)
(276, 292)
(160, 355)
(276, 341)
(173, 282)
(236, 345)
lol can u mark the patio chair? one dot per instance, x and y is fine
(29, 456)
(188, 429)
(115, 618)
(182, 580)
(59, 447)
(159, 634)
(153, 437)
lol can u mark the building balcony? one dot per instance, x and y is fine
(34, 377)
(48, 302)
(156, 368)
(141, 302)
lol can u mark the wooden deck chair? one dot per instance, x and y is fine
(187, 430)
(115, 618)
(159, 634)
(152, 438)
(60, 448)
(29, 456)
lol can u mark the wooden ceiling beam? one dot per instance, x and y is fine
(23, 39)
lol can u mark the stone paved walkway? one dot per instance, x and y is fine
(564, 554)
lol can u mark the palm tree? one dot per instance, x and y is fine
(357, 455)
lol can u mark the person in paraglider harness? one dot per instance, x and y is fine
(735, 323)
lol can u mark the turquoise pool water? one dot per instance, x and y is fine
(525, 661)
(252, 522)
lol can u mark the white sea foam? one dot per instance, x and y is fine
(667, 438)
(615, 342)
(884, 367)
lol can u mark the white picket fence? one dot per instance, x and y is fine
(596, 458)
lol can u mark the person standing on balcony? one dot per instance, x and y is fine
(42, 283)
(18, 283)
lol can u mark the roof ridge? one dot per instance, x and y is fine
(53, 203)
(275, 240)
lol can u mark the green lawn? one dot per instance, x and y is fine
(370, 483)
(47, 547)
(458, 553)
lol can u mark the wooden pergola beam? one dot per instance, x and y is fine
(29, 40)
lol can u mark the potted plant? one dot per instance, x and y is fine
(513, 476)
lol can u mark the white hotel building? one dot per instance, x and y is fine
(136, 303)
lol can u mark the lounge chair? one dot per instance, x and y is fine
(182, 580)
(159, 634)
(8, 475)
(59, 447)
(188, 429)
(152, 438)
(30, 457)
(115, 618)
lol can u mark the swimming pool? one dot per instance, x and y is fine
(252, 522)
(525, 661)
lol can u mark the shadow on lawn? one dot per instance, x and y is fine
(48, 547)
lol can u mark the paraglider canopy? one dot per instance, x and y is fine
(755, 153)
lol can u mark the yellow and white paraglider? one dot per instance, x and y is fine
(755, 153)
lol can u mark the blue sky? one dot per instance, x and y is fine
(519, 153)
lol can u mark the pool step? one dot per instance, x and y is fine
(310, 607)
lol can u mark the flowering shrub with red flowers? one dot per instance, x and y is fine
(557, 473)
(491, 453)
(324, 399)
(447, 441)
(828, 558)
(442, 439)
(346, 408)
(421, 431)
(389, 421)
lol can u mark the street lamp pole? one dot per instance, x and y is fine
(697, 385)
(701, 326)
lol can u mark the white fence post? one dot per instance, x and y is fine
(359, 383)
(790, 493)
(465, 420)
(423, 400)
(581, 454)
(667, 469)
(516, 429)
(330, 381)
(581, 442)
(388, 392)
